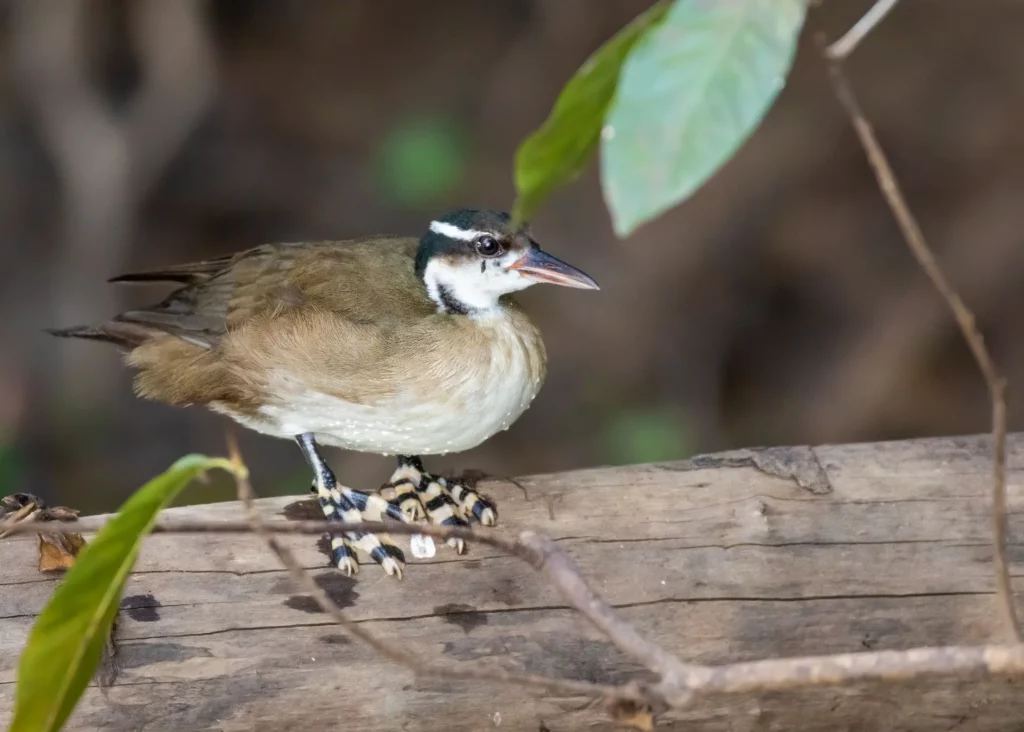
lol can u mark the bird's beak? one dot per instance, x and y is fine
(541, 266)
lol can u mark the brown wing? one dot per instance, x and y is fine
(199, 311)
(204, 342)
(366, 280)
(179, 314)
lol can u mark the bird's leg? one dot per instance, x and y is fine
(344, 504)
(445, 501)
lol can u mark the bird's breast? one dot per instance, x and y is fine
(451, 396)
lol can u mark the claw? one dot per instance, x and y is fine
(383, 551)
(391, 567)
(413, 511)
(405, 495)
(343, 557)
(348, 566)
(487, 517)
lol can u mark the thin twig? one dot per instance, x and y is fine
(965, 320)
(562, 573)
(844, 668)
(845, 45)
(490, 537)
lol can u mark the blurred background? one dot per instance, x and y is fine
(779, 305)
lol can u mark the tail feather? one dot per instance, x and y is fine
(180, 314)
(185, 274)
(148, 277)
(125, 335)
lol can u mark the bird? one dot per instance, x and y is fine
(393, 345)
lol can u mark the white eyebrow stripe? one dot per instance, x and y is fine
(454, 232)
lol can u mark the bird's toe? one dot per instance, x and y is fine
(383, 550)
(472, 505)
(392, 568)
(343, 556)
(348, 566)
(487, 516)
(412, 510)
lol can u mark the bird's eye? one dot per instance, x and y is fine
(488, 246)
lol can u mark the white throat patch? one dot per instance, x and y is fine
(472, 286)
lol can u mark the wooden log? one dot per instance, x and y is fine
(734, 556)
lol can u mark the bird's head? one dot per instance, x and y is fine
(468, 259)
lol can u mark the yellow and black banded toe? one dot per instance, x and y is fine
(348, 506)
(386, 549)
(405, 482)
(472, 503)
(343, 556)
(438, 502)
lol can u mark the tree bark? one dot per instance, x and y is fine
(736, 556)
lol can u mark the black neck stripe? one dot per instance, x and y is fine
(450, 303)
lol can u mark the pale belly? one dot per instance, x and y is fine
(400, 426)
(469, 414)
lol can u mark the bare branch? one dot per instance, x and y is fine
(845, 45)
(556, 565)
(914, 237)
(844, 668)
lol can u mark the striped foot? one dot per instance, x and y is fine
(343, 504)
(444, 501)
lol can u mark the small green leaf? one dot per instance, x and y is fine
(67, 640)
(559, 151)
(691, 92)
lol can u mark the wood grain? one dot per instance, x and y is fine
(727, 557)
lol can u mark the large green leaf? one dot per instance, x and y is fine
(67, 640)
(559, 151)
(690, 93)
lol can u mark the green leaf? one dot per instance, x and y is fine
(559, 151)
(691, 92)
(67, 640)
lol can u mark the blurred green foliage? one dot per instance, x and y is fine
(13, 468)
(647, 436)
(421, 160)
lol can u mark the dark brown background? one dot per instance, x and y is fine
(778, 305)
